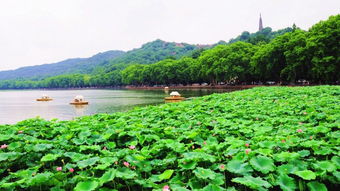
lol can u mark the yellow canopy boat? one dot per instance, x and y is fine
(79, 100)
(174, 96)
(44, 98)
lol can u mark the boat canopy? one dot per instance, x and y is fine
(79, 97)
(175, 93)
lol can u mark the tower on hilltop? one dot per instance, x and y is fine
(260, 23)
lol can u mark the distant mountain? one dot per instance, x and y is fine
(155, 51)
(74, 65)
(147, 54)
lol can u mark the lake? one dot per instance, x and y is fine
(18, 105)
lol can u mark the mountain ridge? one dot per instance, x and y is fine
(148, 53)
(71, 65)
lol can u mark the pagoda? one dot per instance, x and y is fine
(260, 23)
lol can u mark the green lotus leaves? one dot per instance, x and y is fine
(10, 156)
(49, 157)
(312, 144)
(204, 173)
(337, 175)
(109, 175)
(187, 165)
(14, 146)
(219, 179)
(84, 134)
(336, 161)
(286, 156)
(126, 173)
(262, 164)
(325, 165)
(231, 189)
(87, 162)
(306, 174)
(304, 153)
(40, 178)
(42, 147)
(191, 145)
(254, 183)
(212, 187)
(75, 156)
(238, 167)
(179, 188)
(320, 129)
(199, 156)
(86, 186)
(5, 137)
(4, 156)
(322, 150)
(267, 144)
(166, 174)
(287, 169)
(265, 151)
(316, 186)
(286, 183)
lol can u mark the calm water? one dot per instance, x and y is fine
(17, 105)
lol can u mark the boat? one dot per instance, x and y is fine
(79, 100)
(44, 98)
(174, 96)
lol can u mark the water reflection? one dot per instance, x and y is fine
(172, 101)
(17, 105)
(80, 110)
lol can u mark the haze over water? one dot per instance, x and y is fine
(18, 105)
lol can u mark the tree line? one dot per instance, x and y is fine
(311, 55)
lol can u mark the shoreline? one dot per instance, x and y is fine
(161, 87)
(192, 87)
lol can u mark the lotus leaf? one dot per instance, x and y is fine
(262, 164)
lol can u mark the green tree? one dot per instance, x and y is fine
(227, 62)
(323, 44)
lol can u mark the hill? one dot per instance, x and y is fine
(149, 53)
(265, 35)
(74, 65)
(153, 52)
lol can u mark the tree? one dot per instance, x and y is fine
(323, 44)
(297, 57)
(133, 74)
(226, 62)
(269, 60)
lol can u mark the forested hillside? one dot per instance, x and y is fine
(298, 55)
(265, 35)
(103, 62)
(292, 55)
(75, 65)
(155, 51)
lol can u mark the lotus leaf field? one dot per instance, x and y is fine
(265, 138)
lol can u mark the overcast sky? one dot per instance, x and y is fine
(35, 32)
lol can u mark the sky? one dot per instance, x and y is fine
(34, 32)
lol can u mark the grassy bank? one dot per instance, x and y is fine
(266, 138)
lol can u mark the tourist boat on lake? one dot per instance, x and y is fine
(44, 98)
(174, 96)
(79, 100)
